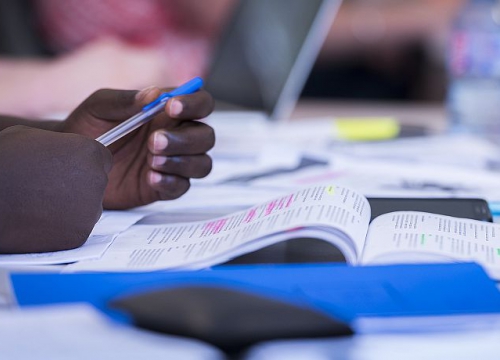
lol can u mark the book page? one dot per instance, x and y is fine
(334, 210)
(423, 237)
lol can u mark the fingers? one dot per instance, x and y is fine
(112, 105)
(179, 153)
(147, 95)
(118, 105)
(170, 175)
(187, 107)
(189, 138)
(194, 166)
(190, 107)
(167, 186)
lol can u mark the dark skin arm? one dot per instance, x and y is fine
(55, 181)
(52, 189)
(8, 121)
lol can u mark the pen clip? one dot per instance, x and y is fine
(190, 87)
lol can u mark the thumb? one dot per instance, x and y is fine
(118, 105)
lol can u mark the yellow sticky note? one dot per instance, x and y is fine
(366, 128)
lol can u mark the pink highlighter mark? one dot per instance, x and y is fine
(281, 203)
(270, 207)
(208, 227)
(214, 227)
(250, 216)
(290, 201)
(218, 226)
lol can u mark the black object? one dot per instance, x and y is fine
(476, 209)
(229, 319)
(19, 33)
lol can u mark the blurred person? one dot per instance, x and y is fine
(75, 47)
(376, 49)
(385, 50)
(56, 178)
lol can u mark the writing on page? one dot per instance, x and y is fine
(199, 244)
(415, 236)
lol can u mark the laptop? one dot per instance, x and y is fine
(266, 54)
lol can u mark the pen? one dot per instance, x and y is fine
(148, 112)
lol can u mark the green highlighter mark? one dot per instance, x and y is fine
(422, 239)
(498, 252)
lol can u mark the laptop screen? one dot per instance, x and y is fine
(267, 52)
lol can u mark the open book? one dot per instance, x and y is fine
(333, 213)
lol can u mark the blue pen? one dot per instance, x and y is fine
(148, 112)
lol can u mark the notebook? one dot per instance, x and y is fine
(266, 54)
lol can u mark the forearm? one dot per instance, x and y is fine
(27, 87)
(52, 125)
(52, 189)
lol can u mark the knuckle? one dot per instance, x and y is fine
(97, 94)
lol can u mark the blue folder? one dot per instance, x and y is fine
(344, 292)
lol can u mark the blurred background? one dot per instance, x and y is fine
(54, 53)
(386, 50)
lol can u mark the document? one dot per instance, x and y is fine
(332, 213)
(389, 178)
(474, 344)
(79, 331)
(106, 229)
(430, 166)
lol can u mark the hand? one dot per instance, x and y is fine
(51, 192)
(156, 161)
(101, 63)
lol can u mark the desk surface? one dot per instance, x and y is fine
(431, 115)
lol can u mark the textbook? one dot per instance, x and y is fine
(333, 213)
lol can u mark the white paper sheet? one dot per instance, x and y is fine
(453, 345)
(79, 332)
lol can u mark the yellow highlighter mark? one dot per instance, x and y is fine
(365, 129)
(330, 190)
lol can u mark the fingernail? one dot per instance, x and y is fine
(159, 160)
(175, 107)
(160, 141)
(141, 95)
(154, 177)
